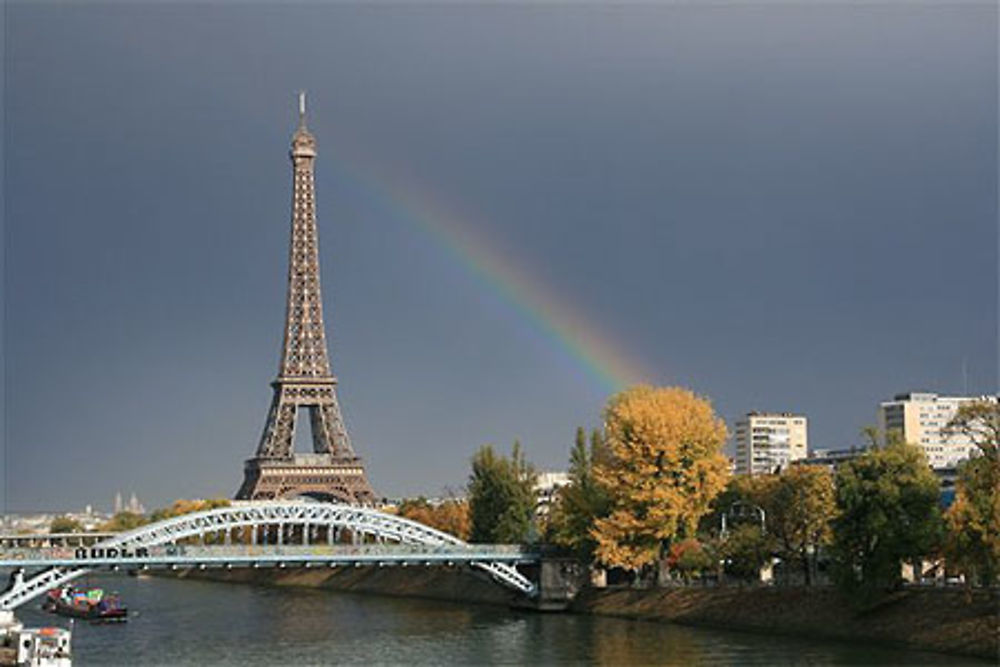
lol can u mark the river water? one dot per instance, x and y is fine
(183, 622)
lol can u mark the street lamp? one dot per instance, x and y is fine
(755, 509)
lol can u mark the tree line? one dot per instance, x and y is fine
(123, 521)
(651, 492)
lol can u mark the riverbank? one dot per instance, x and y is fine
(931, 619)
(941, 620)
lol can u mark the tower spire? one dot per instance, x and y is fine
(303, 142)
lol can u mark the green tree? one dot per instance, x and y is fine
(973, 542)
(737, 524)
(690, 558)
(979, 421)
(583, 500)
(501, 497)
(64, 524)
(664, 467)
(740, 502)
(745, 549)
(800, 506)
(123, 521)
(973, 520)
(887, 502)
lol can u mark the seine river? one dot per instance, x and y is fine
(178, 622)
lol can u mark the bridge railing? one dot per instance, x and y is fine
(51, 539)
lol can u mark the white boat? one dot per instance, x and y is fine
(35, 647)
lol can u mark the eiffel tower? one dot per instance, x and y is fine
(333, 472)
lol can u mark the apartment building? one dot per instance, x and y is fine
(831, 458)
(769, 441)
(921, 418)
(547, 486)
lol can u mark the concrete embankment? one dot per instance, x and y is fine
(942, 620)
(460, 584)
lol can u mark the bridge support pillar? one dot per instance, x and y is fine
(559, 580)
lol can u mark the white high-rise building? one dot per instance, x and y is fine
(547, 486)
(769, 441)
(921, 418)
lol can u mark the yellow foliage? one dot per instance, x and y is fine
(451, 516)
(184, 506)
(665, 467)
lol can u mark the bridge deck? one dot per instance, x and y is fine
(262, 555)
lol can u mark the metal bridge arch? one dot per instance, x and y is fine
(359, 520)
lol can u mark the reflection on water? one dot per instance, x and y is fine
(205, 623)
(680, 647)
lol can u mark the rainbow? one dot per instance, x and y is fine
(564, 328)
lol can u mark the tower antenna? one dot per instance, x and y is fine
(965, 376)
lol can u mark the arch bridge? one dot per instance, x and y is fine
(376, 538)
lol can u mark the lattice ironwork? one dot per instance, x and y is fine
(358, 520)
(305, 379)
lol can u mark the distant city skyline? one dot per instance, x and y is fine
(521, 210)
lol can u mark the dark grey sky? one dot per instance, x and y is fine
(782, 206)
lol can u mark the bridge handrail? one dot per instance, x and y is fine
(45, 536)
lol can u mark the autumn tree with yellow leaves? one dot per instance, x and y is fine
(128, 520)
(183, 506)
(450, 516)
(665, 465)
